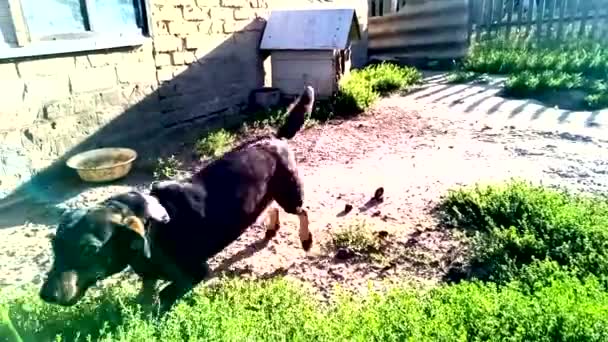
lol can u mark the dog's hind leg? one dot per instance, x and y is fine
(305, 234)
(273, 224)
(290, 198)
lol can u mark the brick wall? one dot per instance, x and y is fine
(49, 105)
(206, 56)
(200, 65)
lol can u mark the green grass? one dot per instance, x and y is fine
(278, 310)
(519, 224)
(461, 76)
(533, 68)
(527, 82)
(505, 57)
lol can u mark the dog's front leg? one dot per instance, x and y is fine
(273, 224)
(148, 295)
(178, 288)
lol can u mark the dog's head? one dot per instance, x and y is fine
(94, 243)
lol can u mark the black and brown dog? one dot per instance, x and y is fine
(172, 232)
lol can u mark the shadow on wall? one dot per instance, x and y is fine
(208, 92)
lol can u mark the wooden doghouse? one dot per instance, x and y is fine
(310, 47)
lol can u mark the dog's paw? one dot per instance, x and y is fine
(307, 244)
(270, 233)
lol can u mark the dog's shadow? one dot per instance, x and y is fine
(373, 202)
(247, 252)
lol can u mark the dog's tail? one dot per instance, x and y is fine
(297, 113)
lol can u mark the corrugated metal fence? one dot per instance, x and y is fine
(434, 29)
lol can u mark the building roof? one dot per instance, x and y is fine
(313, 29)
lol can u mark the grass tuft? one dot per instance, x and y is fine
(357, 237)
(166, 168)
(215, 143)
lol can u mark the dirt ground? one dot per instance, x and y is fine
(416, 147)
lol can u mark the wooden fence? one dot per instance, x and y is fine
(443, 28)
(437, 29)
(543, 20)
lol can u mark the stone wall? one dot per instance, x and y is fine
(200, 65)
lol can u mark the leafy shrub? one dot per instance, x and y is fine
(278, 310)
(355, 95)
(519, 223)
(387, 77)
(361, 88)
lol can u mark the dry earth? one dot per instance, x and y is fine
(417, 147)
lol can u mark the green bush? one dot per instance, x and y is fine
(386, 78)
(361, 88)
(519, 223)
(278, 310)
(355, 96)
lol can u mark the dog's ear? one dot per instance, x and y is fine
(140, 243)
(155, 210)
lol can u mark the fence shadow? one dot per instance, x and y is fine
(175, 114)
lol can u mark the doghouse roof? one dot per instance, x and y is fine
(317, 29)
